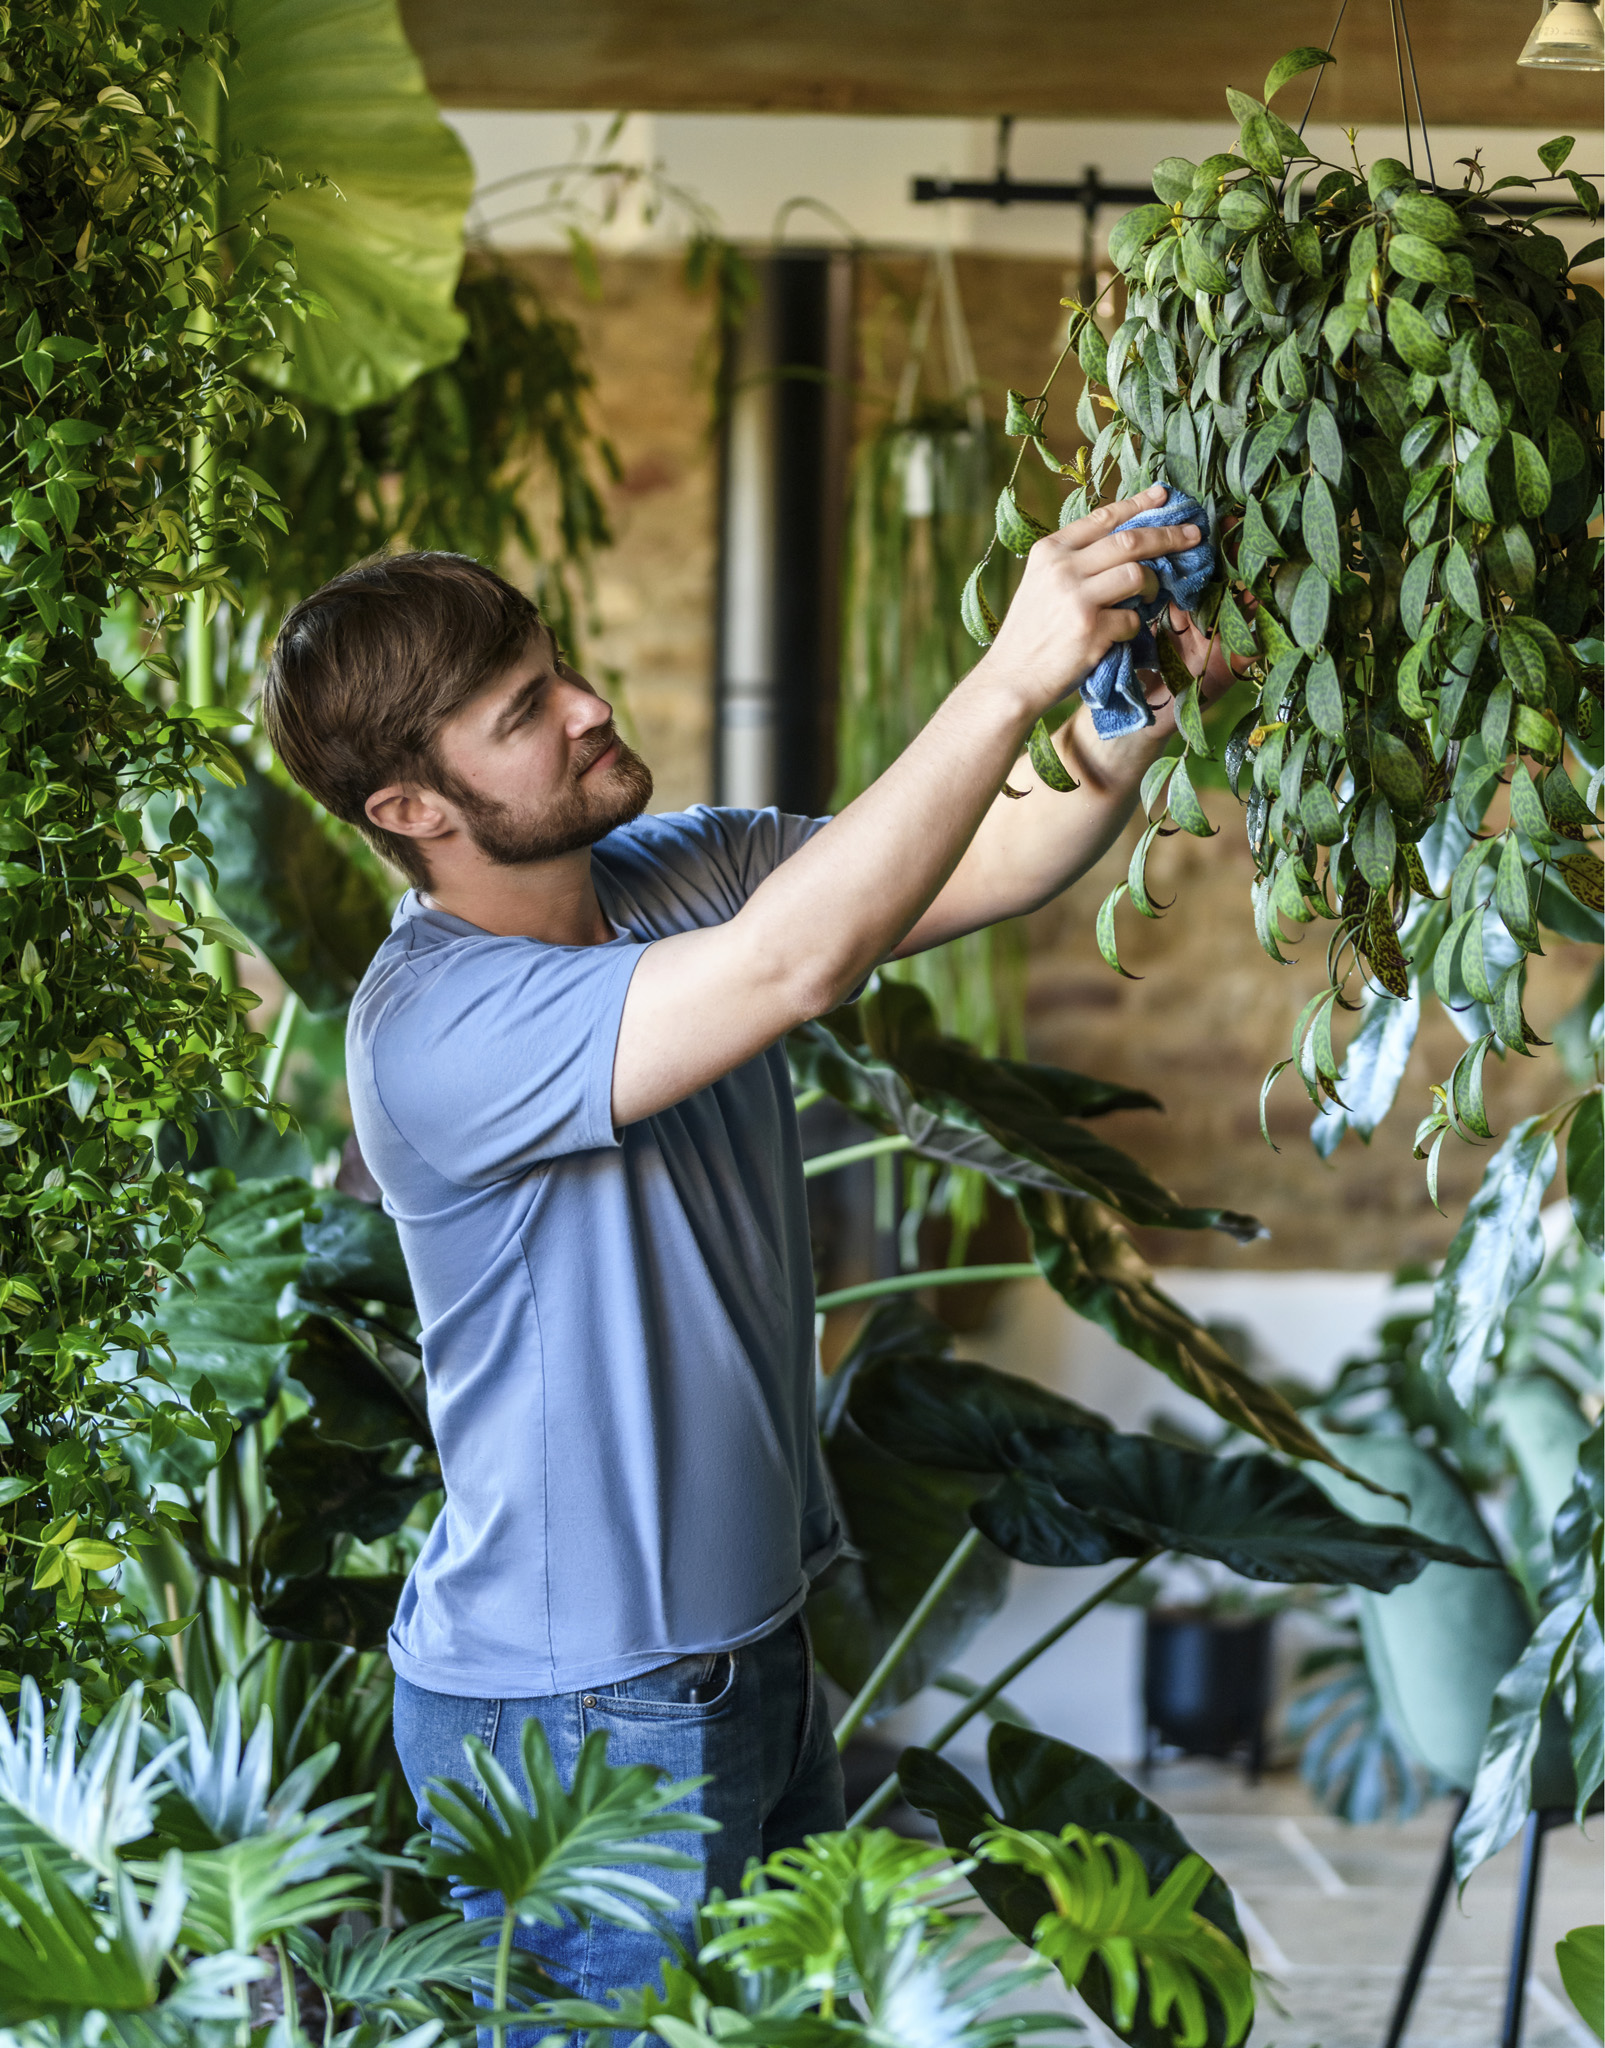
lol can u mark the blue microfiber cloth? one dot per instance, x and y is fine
(1118, 705)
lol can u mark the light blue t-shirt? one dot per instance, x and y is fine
(617, 1325)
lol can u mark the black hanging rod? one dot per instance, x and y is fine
(1090, 192)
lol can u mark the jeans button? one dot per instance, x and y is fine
(588, 1699)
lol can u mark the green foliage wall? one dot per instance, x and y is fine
(120, 329)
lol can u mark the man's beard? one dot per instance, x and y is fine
(580, 816)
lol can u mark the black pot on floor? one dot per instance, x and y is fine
(1206, 1681)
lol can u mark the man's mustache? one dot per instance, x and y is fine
(601, 741)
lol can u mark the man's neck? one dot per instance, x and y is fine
(550, 900)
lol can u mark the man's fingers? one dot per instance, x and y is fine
(1136, 544)
(1081, 533)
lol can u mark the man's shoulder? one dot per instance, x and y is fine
(699, 864)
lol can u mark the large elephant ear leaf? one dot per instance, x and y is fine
(299, 896)
(1049, 1785)
(1014, 1121)
(335, 93)
(1091, 1262)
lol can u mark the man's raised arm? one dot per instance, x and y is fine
(703, 1002)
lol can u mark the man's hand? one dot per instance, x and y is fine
(1065, 617)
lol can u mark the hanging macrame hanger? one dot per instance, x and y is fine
(908, 387)
(963, 380)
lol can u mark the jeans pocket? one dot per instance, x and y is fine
(688, 1687)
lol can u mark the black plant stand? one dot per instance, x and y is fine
(1538, 1825)
(1206, 1685)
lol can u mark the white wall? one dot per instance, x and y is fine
(745, 168)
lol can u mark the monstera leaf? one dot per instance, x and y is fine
(1079, 1494)
(353, 1252)
(902, 1522)
(295, 892)
(1040, 1783)
(333, 91)
(886, 1061)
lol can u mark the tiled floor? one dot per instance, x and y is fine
(1330, 1913)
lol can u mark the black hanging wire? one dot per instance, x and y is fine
(1415, 84)
(1320, 69)
(1404, 103)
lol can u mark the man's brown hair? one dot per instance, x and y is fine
(366, 671)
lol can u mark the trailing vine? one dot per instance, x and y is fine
(1388, 399)
(121, 323)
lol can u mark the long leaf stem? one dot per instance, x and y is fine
(504, 1953)
(978, 1701)
(908, 1283)
(283, 1031)
(901, 1643)
(849, 1155)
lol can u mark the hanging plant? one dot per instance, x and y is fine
(1388, 399)
(120, 340)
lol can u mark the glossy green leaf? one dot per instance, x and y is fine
(1008, 1119)
(1259, 146)
(1325, 441)
(1045, 1784)
(1414, 339)
(1374, 843)
(1398, 775)
(1305, 58)
(1580, 1958)
(1418, 213)
(1323, 696)
(227, 1325)
(1320, 525)
(1185, 807)
(1017, 529)
(1090, 1261)
(1513, 896)
(1046, 759)
(337, 94)
(1104, 932)
(1415, 257)
(308, 904)
(1533, 487)
(980, 622)
(1248, 1513)
(1310, 609)
(1495, 1253)
(1585, 1170)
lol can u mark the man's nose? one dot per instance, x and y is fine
(585, 710)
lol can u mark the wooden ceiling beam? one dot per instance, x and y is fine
(1051, 58)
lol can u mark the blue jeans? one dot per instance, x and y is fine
(752, 1720)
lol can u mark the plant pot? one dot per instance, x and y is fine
(1206, 1683)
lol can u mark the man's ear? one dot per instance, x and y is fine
(409, 813)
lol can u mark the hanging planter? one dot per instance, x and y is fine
(1387, 396)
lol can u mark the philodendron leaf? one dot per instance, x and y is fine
(1497, 1250)
(1248, 1513)
(335, 94)
(1041, 1783)
(229, 1325)
(1090, 1261)
(301, 897)
(1008, 1119)
(1372, 1069)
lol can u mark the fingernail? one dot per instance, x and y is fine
(1189, 533)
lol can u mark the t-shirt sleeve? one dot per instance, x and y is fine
(502, 1056)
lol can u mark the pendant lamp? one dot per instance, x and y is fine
(1567, 36)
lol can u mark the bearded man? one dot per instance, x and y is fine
(566, 1075)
